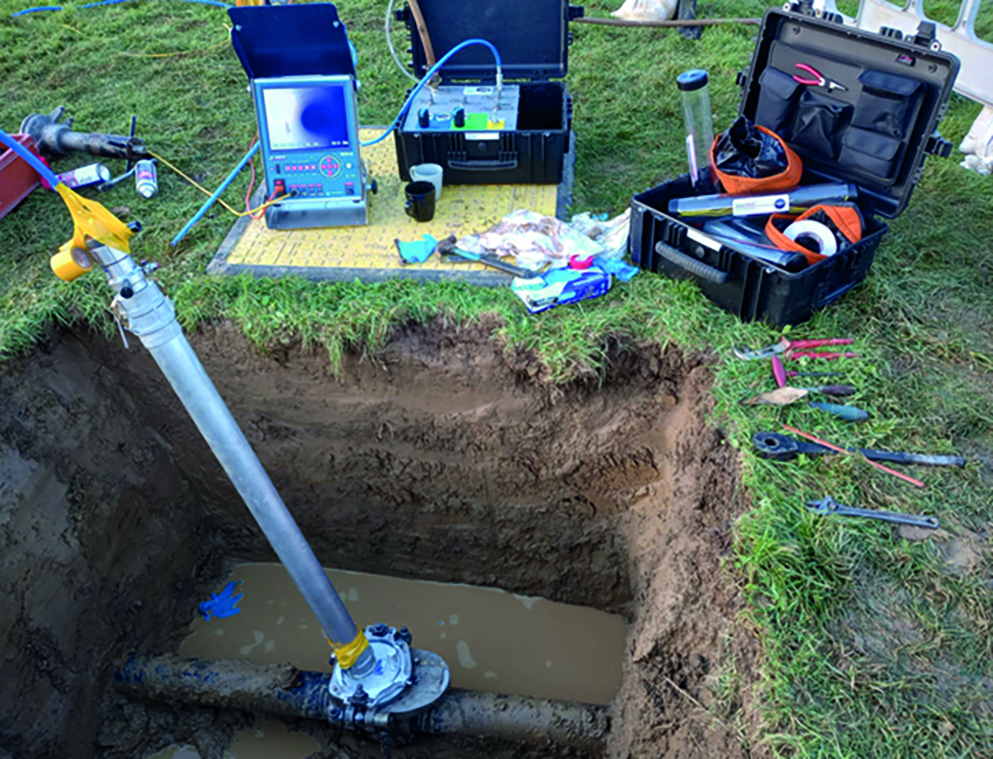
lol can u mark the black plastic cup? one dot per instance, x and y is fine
(420, 200)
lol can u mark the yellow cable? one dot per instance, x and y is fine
(209, 193)
(170, 55)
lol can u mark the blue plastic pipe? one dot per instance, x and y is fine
(31, 158)
(217, 193)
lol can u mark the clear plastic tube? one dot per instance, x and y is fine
(694, 93)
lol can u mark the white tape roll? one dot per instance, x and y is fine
(827, 244)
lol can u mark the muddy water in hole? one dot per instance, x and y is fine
(269, 741)
(492, 640)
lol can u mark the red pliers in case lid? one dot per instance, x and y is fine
(790, 349)
(819, 80)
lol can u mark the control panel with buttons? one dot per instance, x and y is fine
(325, 175)
(451, 108)
(308, 127)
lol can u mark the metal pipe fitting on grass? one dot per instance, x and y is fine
(54, 135)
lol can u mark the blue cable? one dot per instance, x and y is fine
(217, 193)
(427, 78)
(40, 8)
(102, 2)
(31, 158)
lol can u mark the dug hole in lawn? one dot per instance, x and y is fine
(442, 458)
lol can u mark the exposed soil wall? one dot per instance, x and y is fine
(440, 458)
(100, 544)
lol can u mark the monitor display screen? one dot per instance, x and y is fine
(306, 118)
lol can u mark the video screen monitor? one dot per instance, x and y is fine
(306, 118)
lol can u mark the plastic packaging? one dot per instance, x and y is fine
(534, 240)
(647, 10)
(612, 234)
(978, 144)
(744, 151)
(694, 93)
(738, 235)
(790, 201)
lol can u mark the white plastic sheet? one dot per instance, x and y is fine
(647, 10)
(978, 144)
(535, 240)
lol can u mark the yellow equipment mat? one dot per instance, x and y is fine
(368, 253)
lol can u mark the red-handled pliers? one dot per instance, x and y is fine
(819, 79)
(790, 349)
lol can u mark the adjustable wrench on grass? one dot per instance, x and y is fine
(827, 506)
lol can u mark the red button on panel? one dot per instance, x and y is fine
(330, 166)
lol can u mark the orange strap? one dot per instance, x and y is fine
(734, 185)
(841, 219)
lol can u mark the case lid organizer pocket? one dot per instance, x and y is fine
(869, 151)
(777, 97)
(818, 122)
(885, 102)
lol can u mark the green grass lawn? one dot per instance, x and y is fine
(872, 645)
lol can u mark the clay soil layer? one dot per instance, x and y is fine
(441, 458)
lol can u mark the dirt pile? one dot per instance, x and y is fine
(442, 458)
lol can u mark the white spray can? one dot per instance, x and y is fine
(95, 173)
(146, 180)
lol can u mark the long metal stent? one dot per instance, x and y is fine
(145, 311)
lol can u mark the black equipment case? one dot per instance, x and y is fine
(533, 39)
(875, 135)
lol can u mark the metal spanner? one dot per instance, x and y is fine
(827, 505)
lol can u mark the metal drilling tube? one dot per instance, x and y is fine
(186, 374)
(150, 315)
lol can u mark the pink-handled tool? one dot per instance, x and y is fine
(779, 371)
(796, 349)
(819, 79)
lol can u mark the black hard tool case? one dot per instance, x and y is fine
(533, 39)
(875, 135)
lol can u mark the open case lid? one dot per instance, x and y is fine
(291, 40)
(844, 53)
(532, 36)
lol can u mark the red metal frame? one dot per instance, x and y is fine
(17, 178)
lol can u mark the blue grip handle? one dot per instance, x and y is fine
(848, 413)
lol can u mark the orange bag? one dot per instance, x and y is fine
(734, 185)
(844, 219)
